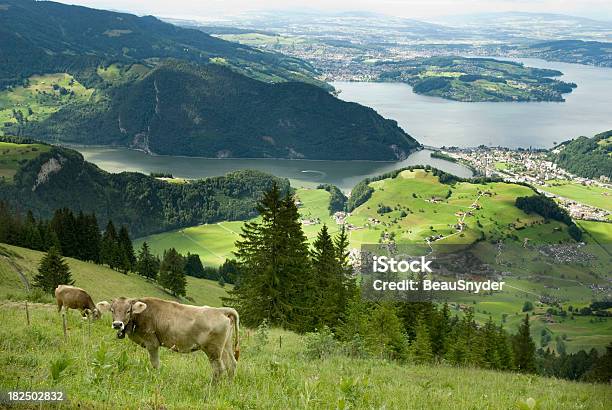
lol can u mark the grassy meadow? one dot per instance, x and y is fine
(591, 195)
(432, 208)
(40, 97)
(99, 281)
(97, 370)
(215, 242)
(12, 156)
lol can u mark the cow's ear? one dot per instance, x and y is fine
(103, 306)
(139, 307)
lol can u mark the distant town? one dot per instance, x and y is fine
(532, 167)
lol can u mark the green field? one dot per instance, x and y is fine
(273, 373)
(12, 156)
(432, 208)
(591, 195)
(412, 192)
(215, 242)
(99, 281)
(40, 97)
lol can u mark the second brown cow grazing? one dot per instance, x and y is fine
(152, 322)
(71, 297)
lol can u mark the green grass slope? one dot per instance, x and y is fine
(273, 373)
(99, 281)
(214, 243)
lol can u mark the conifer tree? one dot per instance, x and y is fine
(504, 349)
(30, 234)
(440, 329)
(172, 273)
(385, 333)
(420, 349)
(193, 265)
(109, 249)
(127, 260)
(490, 352)
(147, 264)
(52, 271)
(328, 286)
(64, 225)
(276, 283)
(524, 348)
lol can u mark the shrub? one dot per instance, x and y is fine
(321, 344)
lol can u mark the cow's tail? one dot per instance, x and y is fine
(232, 314)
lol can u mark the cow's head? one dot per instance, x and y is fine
(123, 311)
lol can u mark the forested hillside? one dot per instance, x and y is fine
(182, 109)
(60, 177)
(90, 76)
(586, 157)
(44, 37)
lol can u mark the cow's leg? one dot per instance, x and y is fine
(214, 357)
(59, 305)
(228, 356)
(154, 356)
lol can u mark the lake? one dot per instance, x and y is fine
(432, 121)
(438, 122)
(344, 174)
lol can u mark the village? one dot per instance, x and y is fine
(534, 168)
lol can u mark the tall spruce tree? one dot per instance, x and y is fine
(147, 264)
(172, 273)
(109, 248)
(127, 260)
(524, 348)
(328, 286)
(276, 282)
(193, 265)
(420, 349)
(52, 271)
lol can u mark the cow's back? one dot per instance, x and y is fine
(181, 327)
(73, 297)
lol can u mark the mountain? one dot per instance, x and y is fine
(586, 157)
(573, 51)
(43, 36)
(59, 177)
(149, 85)
(182, 109)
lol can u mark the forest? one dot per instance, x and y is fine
(60, 177)
(586, 157)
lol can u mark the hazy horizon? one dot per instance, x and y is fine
(431, 10)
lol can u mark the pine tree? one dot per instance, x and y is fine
(109, 248)
(193, 265)
(385, 332)
(65, 227)
(147, 264)
(524, 348)
(127, 260)
(490, 352)
(328, 286)
(52, 271)
(273, 255)
(172, 273)
(347, 283)
(440, 329)
(420, 349)
(504, 350)
(30, 234)
(93, 239)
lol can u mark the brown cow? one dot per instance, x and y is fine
(71, 297)
(152, 322)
